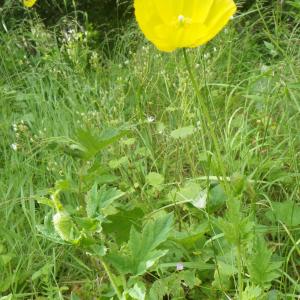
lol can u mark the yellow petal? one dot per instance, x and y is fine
(29, 3)
(171, 24)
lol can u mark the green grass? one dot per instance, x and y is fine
(249, 78)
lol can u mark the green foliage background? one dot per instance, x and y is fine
(109, 182)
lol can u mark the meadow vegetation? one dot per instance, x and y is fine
(111, 185)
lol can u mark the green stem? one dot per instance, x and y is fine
(206, 115)
(111, 279)
(210, 127)
(240, 271)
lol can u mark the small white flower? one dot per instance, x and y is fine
(264, 68)
(15, 127)
(14, 146)
(150, 119)
(206, 55)
(179, 266)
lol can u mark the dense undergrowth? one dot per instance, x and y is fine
(110, 183)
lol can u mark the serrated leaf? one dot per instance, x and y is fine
(153, 234)
(251, 293)
(173, 285)
(142, 246)
(107, 197)
(236, 227)
(90, 145)
(97, 200)
(261, 267)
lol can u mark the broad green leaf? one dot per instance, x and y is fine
(97, 200)
(123, 263)
(182, 132)
(147, 261)
(120, 224)
(5, 259)
(189, 192)
(287, 212)
(154, 179)
(189, 237)
(45, 201)
(107, 197)
(138, 292)
(216, 199)
(153, 234)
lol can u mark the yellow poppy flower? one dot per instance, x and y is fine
(172, 24)
(29, 3)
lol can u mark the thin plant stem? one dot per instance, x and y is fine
(111, 278)
(240, 271)
(209, 125)
(206, 115)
